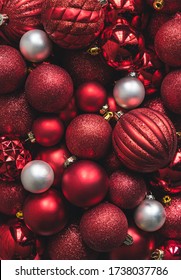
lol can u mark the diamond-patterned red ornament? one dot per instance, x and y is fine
(13, 157)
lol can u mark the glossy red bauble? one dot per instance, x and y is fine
(69, 112)
(111, 162)
(171, 249)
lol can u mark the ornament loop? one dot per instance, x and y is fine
(3, 19)
(150, 196)
(158, 4)
(31, 137)
(108, 116)
(167, 200)
(69, 161)
(19, 215)
(157, 255)
(129, 240)
(117, 115)
(94, 50)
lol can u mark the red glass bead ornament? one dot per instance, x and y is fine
(171, 249)
(132, 6)
(69, 112)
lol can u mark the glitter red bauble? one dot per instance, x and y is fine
(21, 17)
(49, 88)
(88, 136)
(84, 183)
(69, 112)
(46, 213)
(176, 162)
(171, 91)
(72, 25)
(55, 157)
(68, 245)
(13, 158)
(156, 104)
(12, 197)
(172, 250)
(13, 69)
(90, 97)
(144, 140)
(156, 21)
(111, 162)
(170, 6)
(168, 42)
(48, 130)
(127, 189)
(103, 227)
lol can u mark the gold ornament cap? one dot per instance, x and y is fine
(158, 4)
(157, 255)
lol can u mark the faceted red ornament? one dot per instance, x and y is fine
(13, 157)
(176, 162)
(132, 6)
(172, 250)
(72, 25)
(121, 46)
(18, 17)
(144, 140)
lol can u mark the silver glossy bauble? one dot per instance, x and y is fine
(35, 45)
(37, 176)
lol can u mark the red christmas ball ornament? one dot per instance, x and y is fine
(104, 227)
(111, 162)
(85, 183)
(171, 249)
(49, 88)
(17, 18)
(122, 47)
(90, 97)
(88, 136)
(127, 189)
(13, 69)
(113, 106)
(72, 25)
(171, 91)
(176, 162)
(156, 21)
(156, 104)
(144, 140)
(168, 42)
(69, 112)
(13, 157)
(48, 130)
(68, 245)
(46, 213)
(55, 157)
(165, 6)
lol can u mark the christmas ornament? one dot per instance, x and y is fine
(88, 136)
(165, 6)
(35, 45)
(127, 189)
(156, 21)
(13, 157)
(172, 250)
(144, 140)
(85, 183)
(37, 176)
(13, 69)
(48, 88)
(17, 18)
(45, 214)
(150, 215)
(132, 6)
(168, 42)
(97, 224)
(156, 104)
(129, 92)
(47, 130)
(69, 112)
(12, 197)
(90, 97)
(72, 25)
(171, 91)
(68, 245)
(111, 162)
(176, 162)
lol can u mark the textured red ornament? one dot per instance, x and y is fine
(121, 46)
(56, 157)
(169, 6)
(72, 25)
(13, 69)
(19, 17)
(144, 140)
(17, 242)
(49, 88)
(12, 197)
(46, 213)
(172, 250)
(88, 136)
(143, 245)
(68, 245)
(171, 91)
(112, 163)
(90, 97)
(156, 104)
(85, 183)
(156, 21)
(168, 42)
(13, 157)
(97, 224)
(127, 189)
(48, 130)
(69, 113)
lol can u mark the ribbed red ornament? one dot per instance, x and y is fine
(144, 140)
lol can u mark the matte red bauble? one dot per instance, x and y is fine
(48, 130)
(69, 112)
(85, 183)
(165, 6)
(13, 158)
(144, 140)
(49, 88)
(72, 25)
(172, 250)
(104, 227)
(88, 136)
(68, 245)
(18, 18)
(46, 213)
(55, 157)
(13, 69)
